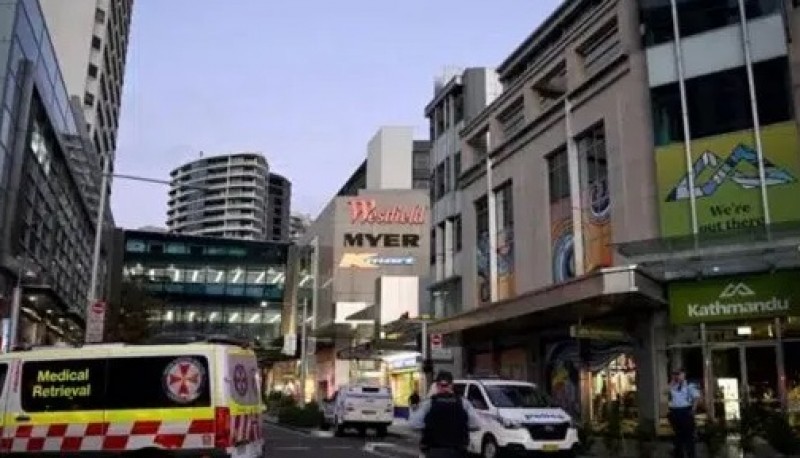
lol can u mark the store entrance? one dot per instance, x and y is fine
(744, 373)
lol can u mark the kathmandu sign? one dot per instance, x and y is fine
(367, 211)
(735, 298)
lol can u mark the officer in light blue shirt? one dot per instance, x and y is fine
(683, 400)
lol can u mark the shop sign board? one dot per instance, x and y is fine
(368, 211)
(598, 333)
(735, 298)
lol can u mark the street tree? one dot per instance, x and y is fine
(129, 319)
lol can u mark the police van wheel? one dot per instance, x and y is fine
(489, 448)
(381, 431)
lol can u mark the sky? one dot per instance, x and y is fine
(305, 82)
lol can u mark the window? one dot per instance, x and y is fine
(433, 246)
(460, 389)
(720, 102)
(504, 200)
(96, 42)
(88, 99)
(135, 246)
(59, 386)
(458, 107)
(475, 397)
(513, 118)
(92, 71)
(481, 218)
(448, 186)
(457, 234)
(138, 383)
(601, 49)
(696, 16)
(558, 175)
(441, 181)
(457, 166)
(99, 16)
(156, 247)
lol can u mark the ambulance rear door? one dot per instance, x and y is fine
(243, 399)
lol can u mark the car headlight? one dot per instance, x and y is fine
(507, 423)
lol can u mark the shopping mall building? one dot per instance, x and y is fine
(645, 173)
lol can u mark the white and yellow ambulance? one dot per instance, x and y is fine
(172, 400)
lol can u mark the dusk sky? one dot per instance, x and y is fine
(305, 82)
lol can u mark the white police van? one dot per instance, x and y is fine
(360, 407)
(516, 417)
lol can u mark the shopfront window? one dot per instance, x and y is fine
(615, 382)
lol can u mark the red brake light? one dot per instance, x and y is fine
(222, 427)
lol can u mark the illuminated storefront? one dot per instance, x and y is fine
(206, 284)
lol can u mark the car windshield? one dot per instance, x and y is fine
(517, 397)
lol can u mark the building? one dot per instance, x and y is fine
(394, 161)
(220, 196)
(206, 284)
(298, 226)
(643, 211)
(458, 97)
(280, 203)
(371, 264)
(47, 222)
(91, 38)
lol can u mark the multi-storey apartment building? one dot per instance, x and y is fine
(672, 137)
(90, 38)
(46, 221)
(280, 203)
(220, 196)
(458, 97)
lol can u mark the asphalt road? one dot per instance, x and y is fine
(287, 443)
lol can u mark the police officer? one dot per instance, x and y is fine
(445, 420)
(683, 400)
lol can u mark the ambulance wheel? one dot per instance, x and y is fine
(324, 425)
(381, 431)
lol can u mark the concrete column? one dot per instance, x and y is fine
(650, 364)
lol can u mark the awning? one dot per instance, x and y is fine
(776, 247)
(592, 295)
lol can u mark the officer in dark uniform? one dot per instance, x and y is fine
(445, 420)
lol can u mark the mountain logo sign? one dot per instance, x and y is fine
(736, 289)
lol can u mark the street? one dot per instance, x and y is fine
(289, 443)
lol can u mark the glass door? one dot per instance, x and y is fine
(761, 370)
(728, 381)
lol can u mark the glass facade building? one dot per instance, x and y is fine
(46, 227)
(207, 284)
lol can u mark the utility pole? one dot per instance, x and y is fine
(303, 352)
(92, 295)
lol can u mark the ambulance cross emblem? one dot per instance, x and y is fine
(183, 380)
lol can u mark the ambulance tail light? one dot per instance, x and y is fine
(222, 427)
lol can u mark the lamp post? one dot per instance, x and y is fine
(92, 295)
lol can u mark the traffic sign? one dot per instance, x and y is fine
(95, 320)
(436, 341)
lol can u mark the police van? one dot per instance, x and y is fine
(516, 417)
(360, 407)
(198, 399)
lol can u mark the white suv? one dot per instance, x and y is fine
(516, 417)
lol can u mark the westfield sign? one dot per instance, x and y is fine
(367, 211)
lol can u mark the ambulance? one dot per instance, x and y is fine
(198, 399)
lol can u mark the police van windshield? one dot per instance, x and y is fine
(517, 397)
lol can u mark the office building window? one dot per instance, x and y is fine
(720, 102)
(88, 99)
(433, 246)
(457, 233)
(558, 175)
(481, 218)
(601, 49)
(99, 16)
(92, 71)
(696, 16)
(458, 107)
(457, 166)
(441, 181)
(513, 118)
(97, 43)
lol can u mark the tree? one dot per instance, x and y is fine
(129, 319)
